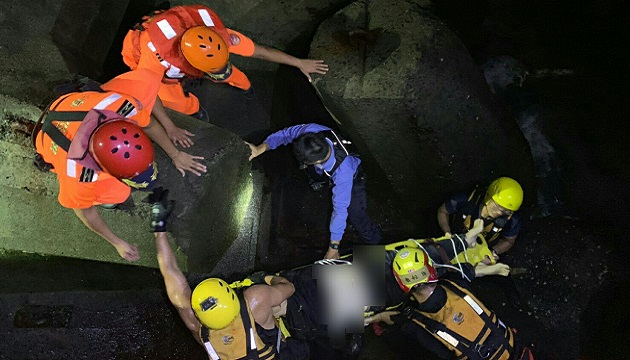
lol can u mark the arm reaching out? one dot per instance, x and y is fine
(177, 287)
(182, 161)
(93, 220)
(306, 66)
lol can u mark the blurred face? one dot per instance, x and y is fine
(495, 210)
(422, 292)
(324, 159)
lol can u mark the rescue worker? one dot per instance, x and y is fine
(322, 149)
(192, 41)
(108, 157)
(231, 324)
(446, 318)
(497, 208)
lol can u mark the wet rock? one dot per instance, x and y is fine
(407, 92)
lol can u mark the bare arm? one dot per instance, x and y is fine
(263, 298)
(443, 220)
(177, 287)
(93, 220)
(307, 66)
(182, 161)
(177, 135)
(504, 244)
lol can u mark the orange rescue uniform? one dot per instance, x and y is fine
(160, 52)
(81, 187)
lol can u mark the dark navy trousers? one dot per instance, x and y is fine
(357, 212)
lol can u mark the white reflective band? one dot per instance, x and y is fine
(501, 323)
(107, 101)
(495, 229)
(151, 46)
(473, 304)
(71, 168)
(252, 342)
(448, 338)
(167, 29)
(210, 350)
(174, 72)
(205, 16)
(133, 113)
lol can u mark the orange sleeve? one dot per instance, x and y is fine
(240, 44)
(143, 85)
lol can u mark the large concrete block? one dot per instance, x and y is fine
(85, 31)
(212, 207)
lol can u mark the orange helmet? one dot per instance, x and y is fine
(204, 49)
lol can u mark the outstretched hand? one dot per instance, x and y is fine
(161, 209)
(308, 67)
(128, 252)
(181, 137)
(257, 150)
(186, 162)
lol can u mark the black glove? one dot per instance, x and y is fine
(161, 208)
(258, 277)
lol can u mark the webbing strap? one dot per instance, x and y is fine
(252, 351)
(205, 337)
(55, 134)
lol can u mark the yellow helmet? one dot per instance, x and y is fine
(215, 303)
(412, 266)
(506, 192)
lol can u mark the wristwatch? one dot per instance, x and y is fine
(334, 246)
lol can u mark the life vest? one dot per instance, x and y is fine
(239, 340)
(62, 119)
(492, 229)
(466, 326)
(165, 30)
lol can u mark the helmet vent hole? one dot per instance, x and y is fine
(124, 130)
(113, 138)
(219, 47)
(199, 36)
(138, 147)
(126, 142)
(210, 38)
(232, 296)
(126, 155)
(209, 55)
(202, 46)
(136, 135)
(114, 150)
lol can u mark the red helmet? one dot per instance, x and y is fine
(122, 149)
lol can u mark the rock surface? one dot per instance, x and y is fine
(407, 92)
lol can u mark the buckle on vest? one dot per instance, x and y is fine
(484, 351)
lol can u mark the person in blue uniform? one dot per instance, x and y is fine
(326, 152)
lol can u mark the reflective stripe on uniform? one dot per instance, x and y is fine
(173, 71)
(473, 304)
(205, 16)
(107, 101)
(151, 46)
(252, 339)
(71, 168)
(167, 29)
(213, 354)
(448, 338)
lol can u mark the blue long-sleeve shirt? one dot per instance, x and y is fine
(342, 177)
